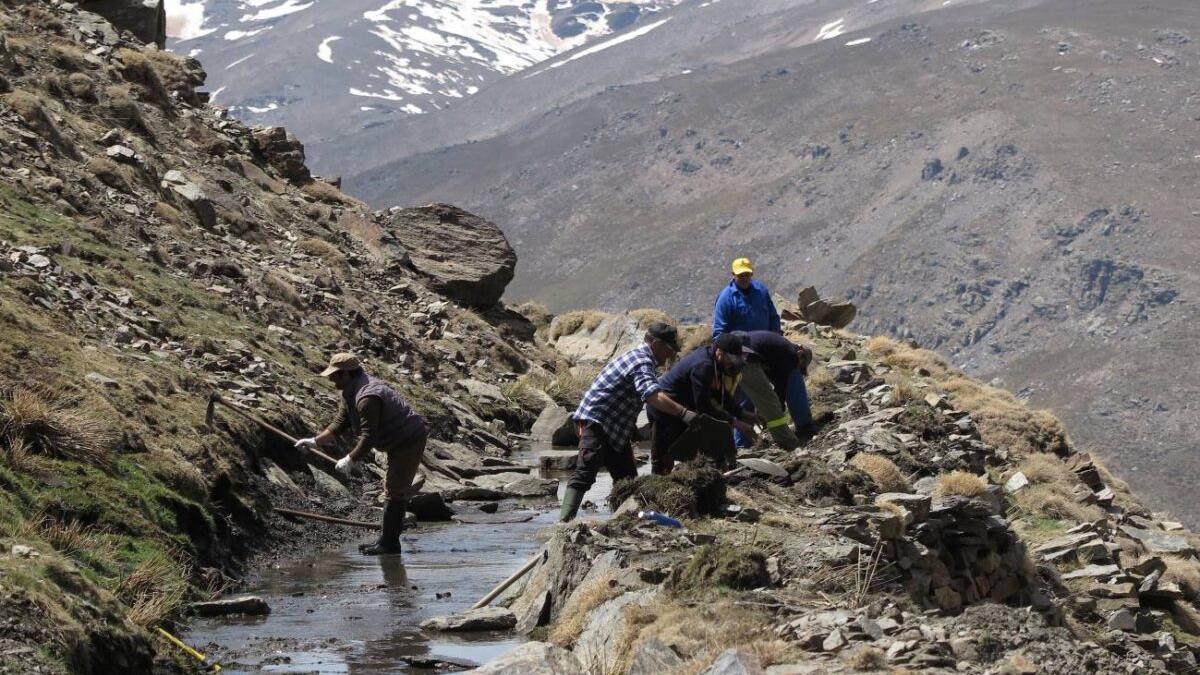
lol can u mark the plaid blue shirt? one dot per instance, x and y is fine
(615, 398)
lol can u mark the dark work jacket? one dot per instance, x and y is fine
(690, 383)
(778, 355)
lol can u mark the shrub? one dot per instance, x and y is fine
(279, 288)
(324, 192)
(108, 172)
(865, 658)
(883, 471)
(323, 250)
(154, 590)
(49, 423)
(1052, 500)
(573, 322)
(568, 387)
(960, 483)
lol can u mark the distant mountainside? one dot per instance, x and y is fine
(1009, 182)
(324, 69)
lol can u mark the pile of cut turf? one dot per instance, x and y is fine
(690, 491)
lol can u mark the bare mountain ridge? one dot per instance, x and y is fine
(1005, 182)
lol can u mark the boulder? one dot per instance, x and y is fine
(532, 658)
(460, 255)
(283, 152)
(554, 426)
(917, 505)
(530, 486)
(652, 657)
(429, 506)
(191, 195)
(596, 646)
(328, 485)
(1159, 542)
(823, 312)
(482, 391)
(598, 342)
(472, 620)
(146, 19)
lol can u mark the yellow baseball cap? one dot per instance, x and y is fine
(742, 265)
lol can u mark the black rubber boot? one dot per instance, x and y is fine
(572, 498)
(393, 525)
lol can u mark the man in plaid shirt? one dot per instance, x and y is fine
(608, 413)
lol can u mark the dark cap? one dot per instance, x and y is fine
(730, 343)
(664, 332)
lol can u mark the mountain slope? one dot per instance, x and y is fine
(325, 69)
(1003, 181)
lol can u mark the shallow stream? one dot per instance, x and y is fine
(338, 611)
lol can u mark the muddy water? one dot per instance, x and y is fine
(341, 612)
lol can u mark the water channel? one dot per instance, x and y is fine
(338, 611)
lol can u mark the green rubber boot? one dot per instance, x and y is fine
(572, 498)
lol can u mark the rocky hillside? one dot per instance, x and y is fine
(1000, 181)
(328, 70)
(934, 524)
(152, 250)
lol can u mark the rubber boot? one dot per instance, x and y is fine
(393, 525)
(572, 498)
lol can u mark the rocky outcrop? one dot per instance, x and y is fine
(283, 152)
(459, 255)
(145, 19)
(810, 307)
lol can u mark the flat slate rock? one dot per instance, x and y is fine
(493, 518)
(472, 620)
(532, 658)
(764, 466)
(1158, 542)
(251, 605)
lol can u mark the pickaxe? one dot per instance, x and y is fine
(215, 398)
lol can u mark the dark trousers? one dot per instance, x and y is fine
(595, 453)
(667, 429)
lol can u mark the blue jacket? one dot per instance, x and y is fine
(747, 310)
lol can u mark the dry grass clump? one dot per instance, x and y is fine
(699, 633)
(865, 658)
(323, 250)
(572, 322)
(522, 393)
(171, 72)
(108, 172)
(168, 213)
(692, 338)
(960, 483)
(1004, 421)
(903, 391)
(581, 603)
(1053, 500)
(154, 590)
(32, 109)
(892, 508)
(647, 316)
(1183, 571)
(883, 472)
(324, 192)
(120, 107)
(536, 313)
(80, 86)
(48, 422)
(818, 380)
(1042, 467)
(15, 454)
(69, 56)
(279, 288)
(568, 387)
(139, 69)
(899, 355)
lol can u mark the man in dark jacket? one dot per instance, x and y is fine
(379, 418)
(773, 378)
(705, 381)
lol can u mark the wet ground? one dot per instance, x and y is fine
(338, 611)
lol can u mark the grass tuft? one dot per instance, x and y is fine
(49, 423)
(572, 322)
(581, 603)
(154, 590)
(1052, 500)
(324, 250)
(865, 658)
(883, 472)
(961, 484)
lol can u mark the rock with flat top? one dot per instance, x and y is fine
(472, 620)
(554, 426)
(735, 662)
(250, 605)
(458, 254)
(532, 658)
(1159, 542)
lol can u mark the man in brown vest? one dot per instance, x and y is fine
(379, 418)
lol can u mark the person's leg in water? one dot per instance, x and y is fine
(588, 463)
(403, 462)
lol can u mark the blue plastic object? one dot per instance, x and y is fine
(656, 517)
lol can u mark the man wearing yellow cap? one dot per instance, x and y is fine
(379, 418)
(745, 304)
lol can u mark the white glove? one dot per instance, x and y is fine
(688, 416)
(345, 465)
(306, 444)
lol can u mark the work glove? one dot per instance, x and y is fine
(688, 416)
(345, 465)
(306, 444)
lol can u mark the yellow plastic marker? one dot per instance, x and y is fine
(212, 667)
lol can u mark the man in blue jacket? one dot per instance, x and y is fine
(745, 304)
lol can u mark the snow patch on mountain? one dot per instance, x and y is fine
(324, 51)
